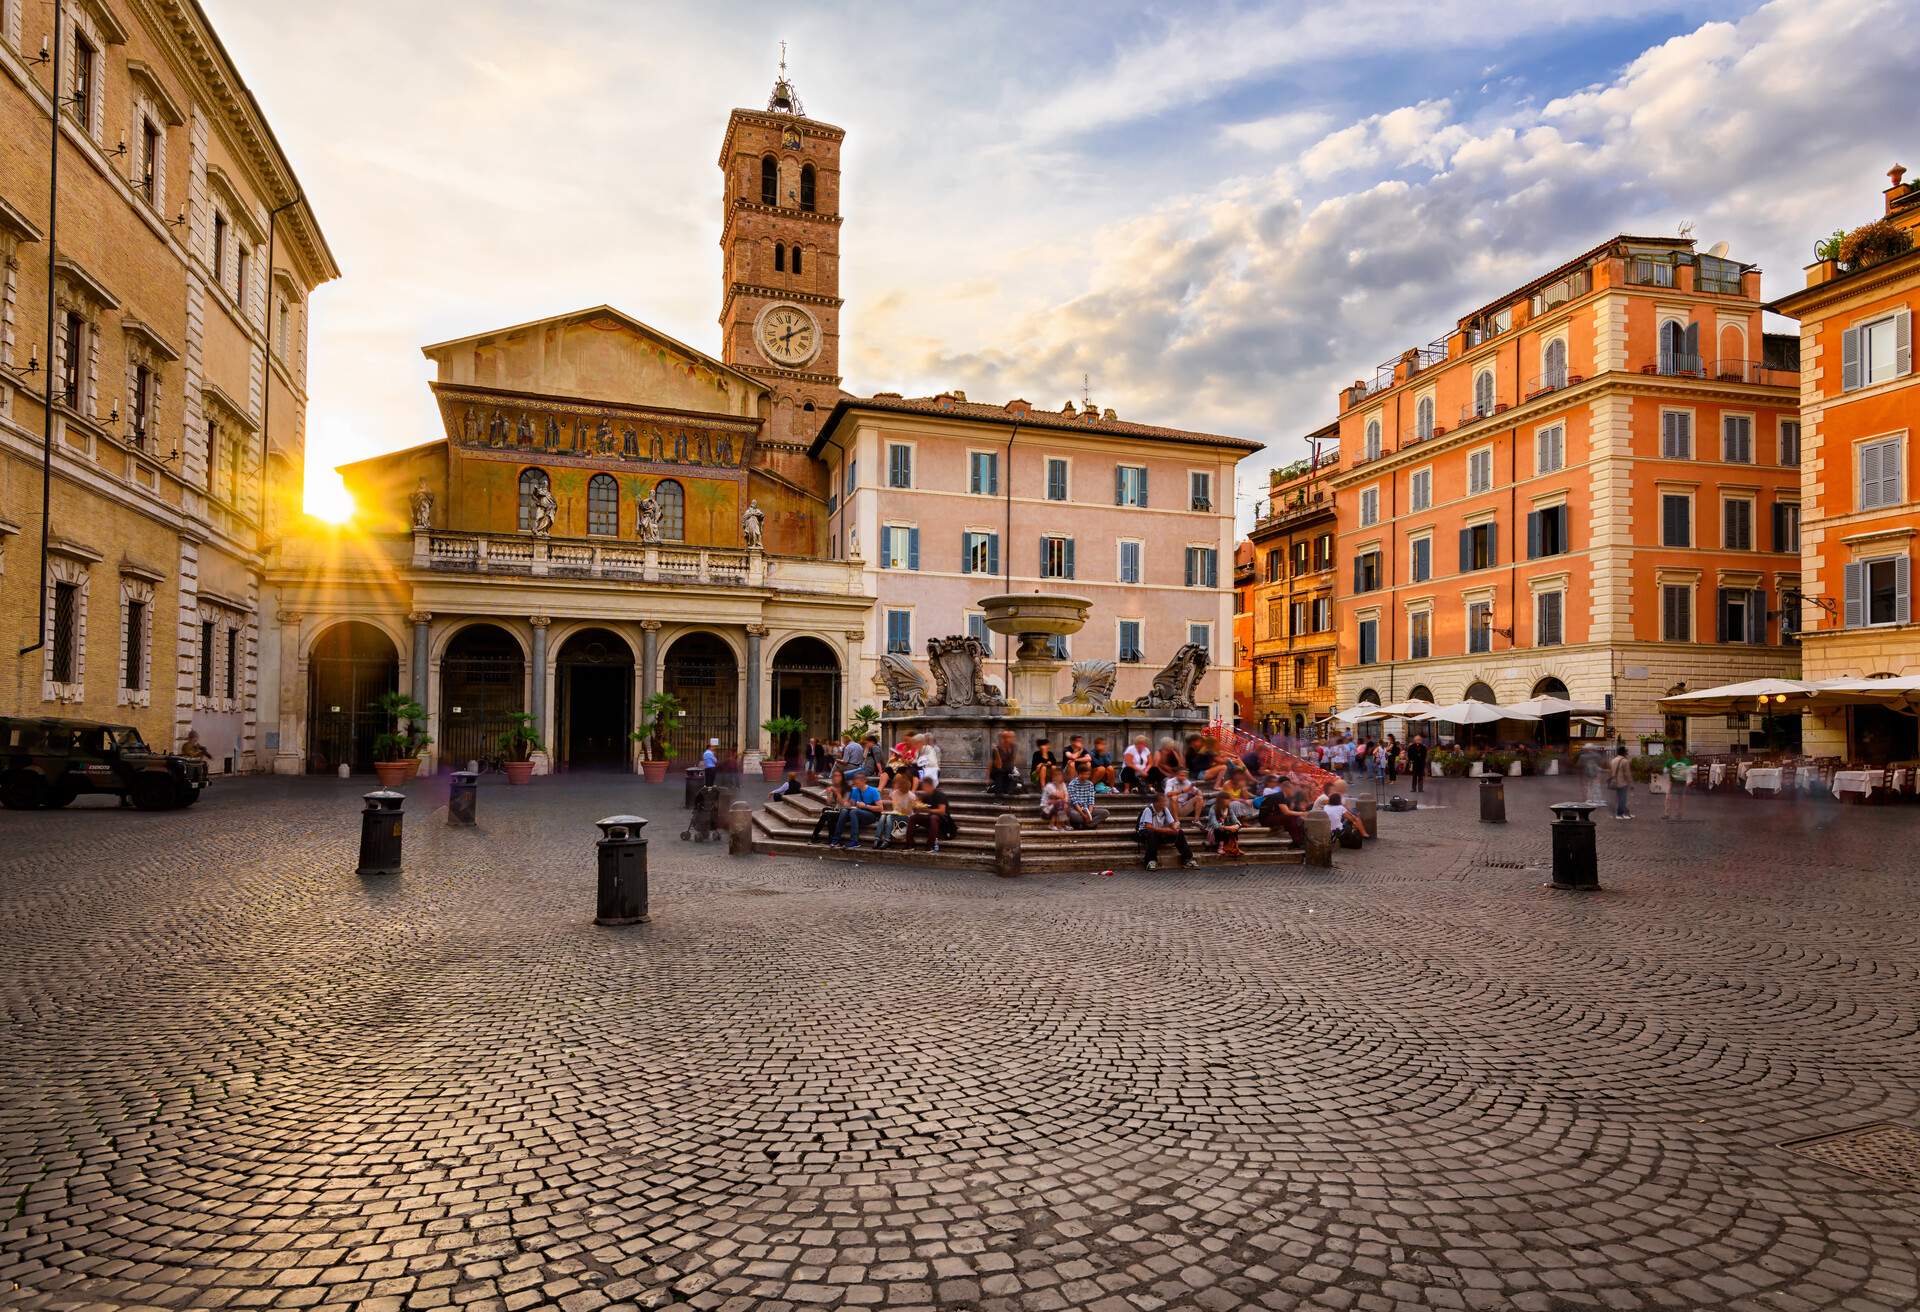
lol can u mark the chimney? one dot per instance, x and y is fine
(1898, 191)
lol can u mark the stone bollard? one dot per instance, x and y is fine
(1319, 844)
(380, 832)
(1006, 845)
(1368, 809)
(622, 859)
(463, 798)
(1576, 863)
(1493, 800)
(740, 830)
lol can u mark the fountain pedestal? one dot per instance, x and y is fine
(1032, 674)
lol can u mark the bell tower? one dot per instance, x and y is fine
(780, 244)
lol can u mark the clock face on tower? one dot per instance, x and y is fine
(787, 335)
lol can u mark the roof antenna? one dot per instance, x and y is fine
(1086, 392)
(1686, 229)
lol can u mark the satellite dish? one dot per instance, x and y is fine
(1718, 250)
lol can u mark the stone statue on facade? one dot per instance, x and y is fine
(1093, 684)
(1173, 687)
(421, 504)
(906, 689)
(959, 673)
(752, 521)
(649, 520)
(540, 520)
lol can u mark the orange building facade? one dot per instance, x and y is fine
(1243, 584)
(1295, 656)
(1589, 488)
(1859, 401)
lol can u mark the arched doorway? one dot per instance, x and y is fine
(806, 686)
(1421, 693)
(348, 669)
(1369, 728)
(593, 684)
(1555, 730)
(1480, 692)
(482, 686)
(702, 672)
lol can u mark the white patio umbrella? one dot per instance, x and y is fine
(1408, 709)
(1476, 713)
(1901, 692)
(1355, 714)
(1738, 698)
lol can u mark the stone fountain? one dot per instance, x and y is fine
(966, 710)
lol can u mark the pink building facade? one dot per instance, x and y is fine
(944, 501)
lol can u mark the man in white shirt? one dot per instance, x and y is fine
(1156, 827)
(1182, 797)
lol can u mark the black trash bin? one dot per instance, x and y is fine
(380, 832)
(1493, 800)
(696, 780)
(1576, 863)
(463, 798)
(622, 861)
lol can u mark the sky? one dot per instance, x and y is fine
(1216, 214)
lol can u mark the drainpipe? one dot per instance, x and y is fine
(46, 401)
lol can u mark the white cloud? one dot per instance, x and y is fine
(1278, 132)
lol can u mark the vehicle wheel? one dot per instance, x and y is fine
(62, 796)
(23, 791)
(153, 792)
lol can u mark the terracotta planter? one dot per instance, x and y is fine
(655, 772)
(394, 773)
(773, 771)
(518, 772)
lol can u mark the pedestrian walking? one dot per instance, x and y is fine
(1620, 776)
(1417, 763)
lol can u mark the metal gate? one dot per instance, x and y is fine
(702, 673)
(349, 669)
(482, 687)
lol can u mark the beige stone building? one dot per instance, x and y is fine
(181, 256)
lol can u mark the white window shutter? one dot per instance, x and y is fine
(1854, 613)
(1902, 608)
(1902, 344)
(1891, 460)
(1849, 359)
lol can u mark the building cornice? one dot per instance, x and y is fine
(1615, 382)
(767, 118)
(198, 48)
(1901, 269)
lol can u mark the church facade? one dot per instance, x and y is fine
(608, 513)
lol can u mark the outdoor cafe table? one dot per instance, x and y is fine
(1862, 782)
(1763, 777)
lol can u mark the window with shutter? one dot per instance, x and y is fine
(1737, 525)
(1880, 471)
(1789, 442)
(1421, 490)
(1736, 439)
(1421, 559)
(1676, 435)
(1757, 617)
(899, 465)
(1069, 557)
(1056, 480)
(1548, 617)
(1854, 611)
(1533, 535)
(1676, 612)
(1676, 516)
(1850, 359)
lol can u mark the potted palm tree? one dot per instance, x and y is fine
(783, 733)
(518, 744)
(865, 723)
(658, 715)
(396, 753)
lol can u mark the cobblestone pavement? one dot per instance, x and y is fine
(236, 1075)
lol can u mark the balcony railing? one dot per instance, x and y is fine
(1727, 369)
(486, 553)
(1551, 381)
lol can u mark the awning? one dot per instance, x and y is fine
(1558, 706)
(1755, 695)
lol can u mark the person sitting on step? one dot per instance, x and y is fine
(1104, 777)
(899, 808)
(829, 821)
(1053, 799)
(930, 811)
(1156, 827)
(1003, 770)
(1184, 799)
(1223, 827)
(1044, 761)
(1082, 813)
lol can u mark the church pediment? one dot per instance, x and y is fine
(600, 355)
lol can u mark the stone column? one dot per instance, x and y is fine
(543, 759)
(649, 659)
(290, 756)
(420, 620)
(417, 680)
(751, 758)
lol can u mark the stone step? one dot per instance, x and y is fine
(790, 818)
(1075, 861)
